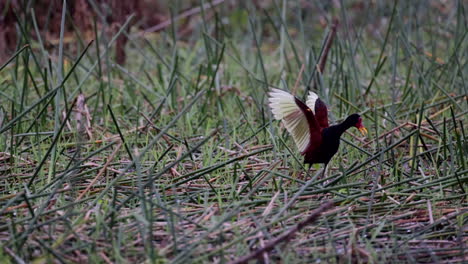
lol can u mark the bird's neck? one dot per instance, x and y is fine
(341, 128)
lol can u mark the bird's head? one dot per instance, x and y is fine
(356, 121)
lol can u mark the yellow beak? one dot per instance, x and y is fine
(363, 130)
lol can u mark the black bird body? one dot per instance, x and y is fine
(308, 125)
(326, 150)
(329, 146)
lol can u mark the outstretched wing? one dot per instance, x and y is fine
(319, 108)
(298, 119)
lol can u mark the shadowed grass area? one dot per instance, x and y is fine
(175, 157)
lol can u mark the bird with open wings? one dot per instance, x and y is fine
(308, 125)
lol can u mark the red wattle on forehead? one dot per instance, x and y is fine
(359, 123)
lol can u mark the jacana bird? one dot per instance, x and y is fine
(308, 124)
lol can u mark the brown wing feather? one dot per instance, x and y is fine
(319, 108)
(314, 128)
(284, 108)
(321, 113)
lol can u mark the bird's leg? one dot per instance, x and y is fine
(324, 169)
(307, 172)
(325, 183)
(310, 167)
(323, 174)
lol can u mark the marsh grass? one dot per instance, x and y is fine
(174, 157)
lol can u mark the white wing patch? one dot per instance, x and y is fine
(284, 108)
(311, 100)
